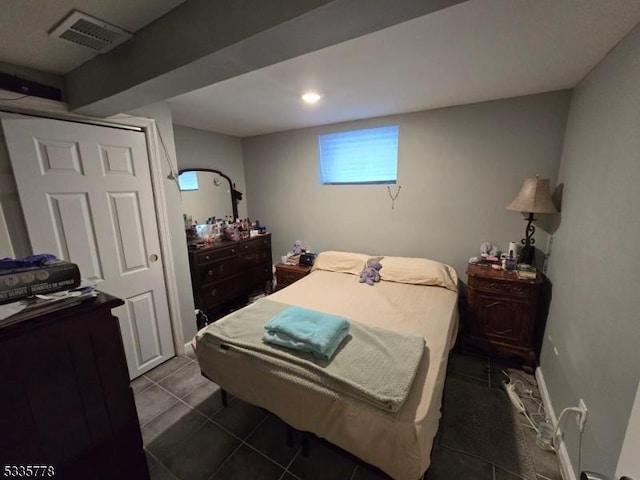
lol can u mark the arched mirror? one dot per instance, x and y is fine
(208, 193)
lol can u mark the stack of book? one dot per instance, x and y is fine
(51, 276)
(37, 285)
(35, 306)
(527, 272)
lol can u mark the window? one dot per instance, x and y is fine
(359, 156)
(188, 181)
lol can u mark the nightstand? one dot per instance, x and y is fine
(502, 311)
(288, 274)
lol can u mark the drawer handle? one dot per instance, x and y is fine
(502, 332)
(246, 246)
(214, 292)
(233, 250)
(289, 277)
(211, 273)
(219, 269)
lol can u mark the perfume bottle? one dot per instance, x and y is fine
(511, 262)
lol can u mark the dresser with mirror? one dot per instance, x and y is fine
(224, 273)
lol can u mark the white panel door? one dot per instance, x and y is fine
(87, 198)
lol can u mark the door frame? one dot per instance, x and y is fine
(33, 106)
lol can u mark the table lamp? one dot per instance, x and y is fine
(534, 197)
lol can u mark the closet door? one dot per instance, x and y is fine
(87, 198)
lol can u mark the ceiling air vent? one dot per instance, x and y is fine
(90, 32)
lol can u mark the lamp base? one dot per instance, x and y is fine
(529, 251)
(528, 255)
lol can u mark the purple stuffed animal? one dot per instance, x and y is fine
(371, 274)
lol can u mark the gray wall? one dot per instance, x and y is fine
(203, 149)
(593, 320)
(458, 167)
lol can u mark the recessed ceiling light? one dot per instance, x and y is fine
(311, 97)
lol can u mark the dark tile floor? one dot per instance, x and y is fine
(188, 435)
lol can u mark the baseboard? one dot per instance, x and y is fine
(566, 468)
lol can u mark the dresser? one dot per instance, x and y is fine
(65, 397)
(502, 313)
(288, 274)
(226, 271)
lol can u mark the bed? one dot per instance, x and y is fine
(416, 297)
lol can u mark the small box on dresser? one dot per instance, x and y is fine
(502, 313)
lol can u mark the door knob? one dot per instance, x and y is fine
(153, 257)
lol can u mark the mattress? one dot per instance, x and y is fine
(398, 443)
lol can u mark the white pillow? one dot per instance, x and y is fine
(418, 271)
(342, 262)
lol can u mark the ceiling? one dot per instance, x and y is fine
(474, 51)
(25, 27)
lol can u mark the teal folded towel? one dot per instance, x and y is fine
(283, 340)
(307, 331)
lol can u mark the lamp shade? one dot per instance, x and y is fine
(534, 197)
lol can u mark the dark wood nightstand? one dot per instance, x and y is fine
(502, 311)
(288, 274)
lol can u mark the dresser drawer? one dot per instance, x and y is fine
(240, 248)
(256, 243)
(287, 277)
(230, 287)
(263, 242)
(288, 274)
(219, 292)
(218, 270)
(212, 255)
(252, 259)
(263, 273)
(502, 287)
(224, 268)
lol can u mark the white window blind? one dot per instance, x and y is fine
(359, 156)
(188, 180)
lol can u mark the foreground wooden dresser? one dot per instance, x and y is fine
(502, 311)
(65, 399)
(226, 271)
